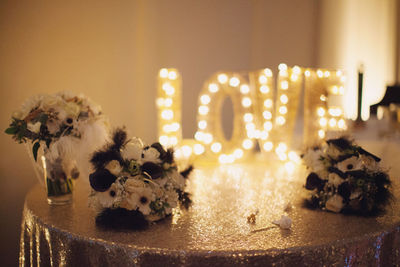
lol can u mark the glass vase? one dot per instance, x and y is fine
(57, 174)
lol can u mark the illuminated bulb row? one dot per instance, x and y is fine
(296, 71)
(327, 74)
(168, 140)
(186, 151)
(173, 127)
(230, 158)
(172, 75)
(264, 87)
(283, 97)
(337, 90)
(280, 150)
(165, 102)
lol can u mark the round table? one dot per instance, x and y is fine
(215, 230)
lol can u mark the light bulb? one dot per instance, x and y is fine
(248, 117)
(284, 99)
(262, 79)
(163, 73)
(268, 103)
(222, 78)
(203, 110)
(264, 89)
(213, 88)
(216, 147)
(202, 124)
(205, 99)
(172, 75)
(246, 102)
(234, 81)
(247, 144)
(244, 89)
(198, 149)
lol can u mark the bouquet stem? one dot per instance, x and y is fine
(59, 192)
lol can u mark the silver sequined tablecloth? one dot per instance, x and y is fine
(215, 231)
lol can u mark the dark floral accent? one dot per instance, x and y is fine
(184, 198)
(337, 171)
(344, 189)
(342, 143)
(101, 180)
(364, 152)
(343, 158)
(121, 219)
(102, 157)
(185, 173)
(314, 181)
(152, 169)
(119, 139)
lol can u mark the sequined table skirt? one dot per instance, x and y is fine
(215, 230)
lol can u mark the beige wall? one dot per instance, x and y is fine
(354, 32)
(111, 51)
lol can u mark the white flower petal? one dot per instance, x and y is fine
(34, 127)
(351, 164)
(132, 150)
(114, 167)
(151, 154)
(284, 223)
(334, 203)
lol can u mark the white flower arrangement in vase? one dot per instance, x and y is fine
(134, 184)
(61, 130)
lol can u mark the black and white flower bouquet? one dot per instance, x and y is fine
(346, 178)
(61, 130)
(134, 184)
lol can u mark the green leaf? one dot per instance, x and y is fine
(48, 141)
(11, 130)
(35, 149)
(43, 118)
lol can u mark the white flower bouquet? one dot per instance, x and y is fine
(346, 178)
(134, 184)
(61, 130)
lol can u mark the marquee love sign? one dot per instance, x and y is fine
(265, 111)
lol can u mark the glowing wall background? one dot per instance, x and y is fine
(112, 50)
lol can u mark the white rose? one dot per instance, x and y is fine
(18, 115)
(53, 126)
(152, 155)
(158, 192)
(335, 203)
(333, 152)
(133, 184)
(370, 163)
(114, 167)
(312, 158)
(178, 179)
(61, 114)
(284, 223)
(72, 109)
(50, 101)
(130, 202)
(35, 128)
(334, 179)
(132, 150)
